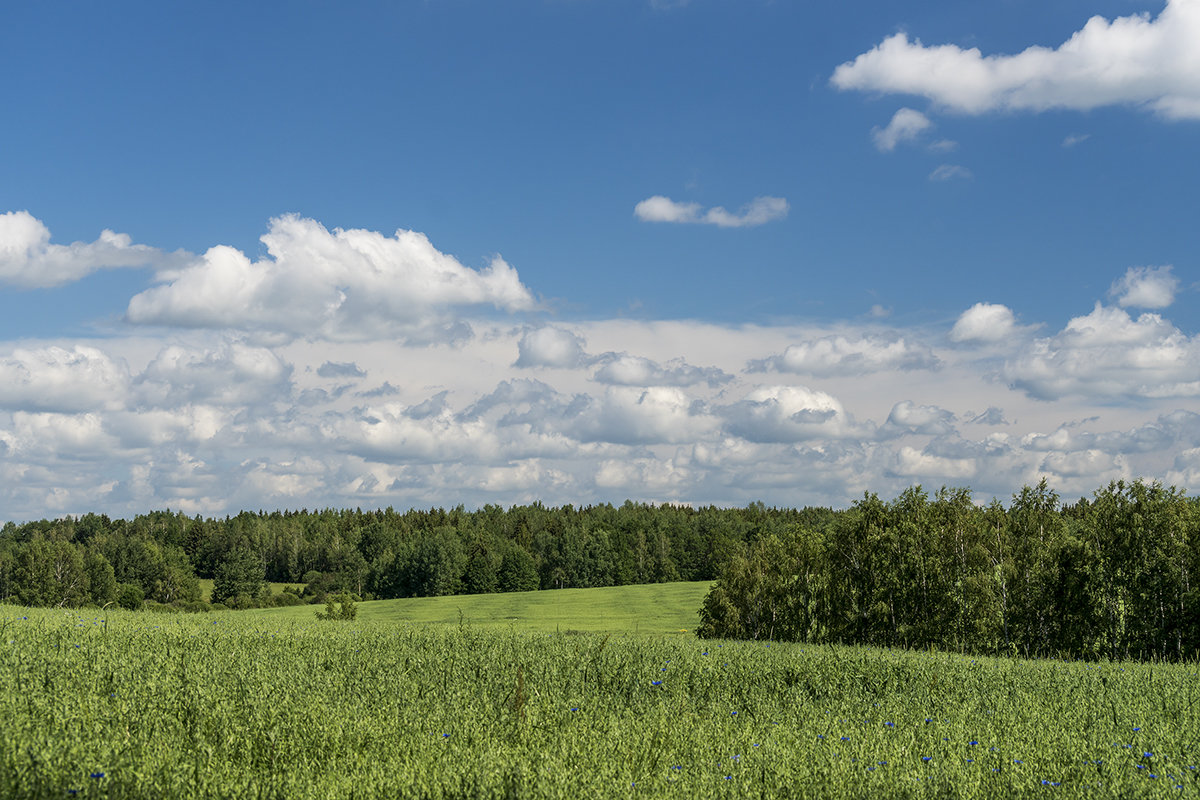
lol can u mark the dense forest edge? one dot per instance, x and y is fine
(1106, 577)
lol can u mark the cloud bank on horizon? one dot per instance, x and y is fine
(242, 404)
(815, 295)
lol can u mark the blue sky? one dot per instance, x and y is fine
(705, 251)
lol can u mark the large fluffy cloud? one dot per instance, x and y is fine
(1109, 354)
(340, 284)
(55, 378)
(1134, 60)
(29, 260)
(789, 414)
(232, 373)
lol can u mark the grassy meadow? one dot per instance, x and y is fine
(665, 609)
(259, 704)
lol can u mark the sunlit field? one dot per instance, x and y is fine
(656, 608)
(241, 705)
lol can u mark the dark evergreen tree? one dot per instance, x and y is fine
(239, 575)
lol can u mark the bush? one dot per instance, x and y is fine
(160, 608)
(240, 601)
(130, 596)
(193, 606)
(347, 612)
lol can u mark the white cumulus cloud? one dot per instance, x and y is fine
(922, 465)
(232, 373)
(1145, 287)
(984, 322)
(55, 378)
(29, 260)
(344, 284)
(1109, 354)
(758, 211)
(909, 417)
(1135, 60)
(627, 370)
(633, 415)
(788, 414)
(847, 355)
(906, 125)
(551, 347)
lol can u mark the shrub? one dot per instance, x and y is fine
(347, 612)
(130, 596)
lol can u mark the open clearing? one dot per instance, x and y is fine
(657, 608)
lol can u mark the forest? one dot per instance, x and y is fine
(92, 559)
(1110, 576)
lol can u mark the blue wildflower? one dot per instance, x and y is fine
(656, 683)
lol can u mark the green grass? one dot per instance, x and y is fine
(244, 704)
(659, 609)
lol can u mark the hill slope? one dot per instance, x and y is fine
(660, 608)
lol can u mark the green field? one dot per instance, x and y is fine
(658, 608)
(255, 704)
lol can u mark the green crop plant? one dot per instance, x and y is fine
(124, 704)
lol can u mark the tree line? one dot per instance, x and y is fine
(161, 556)
(1110, 577)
